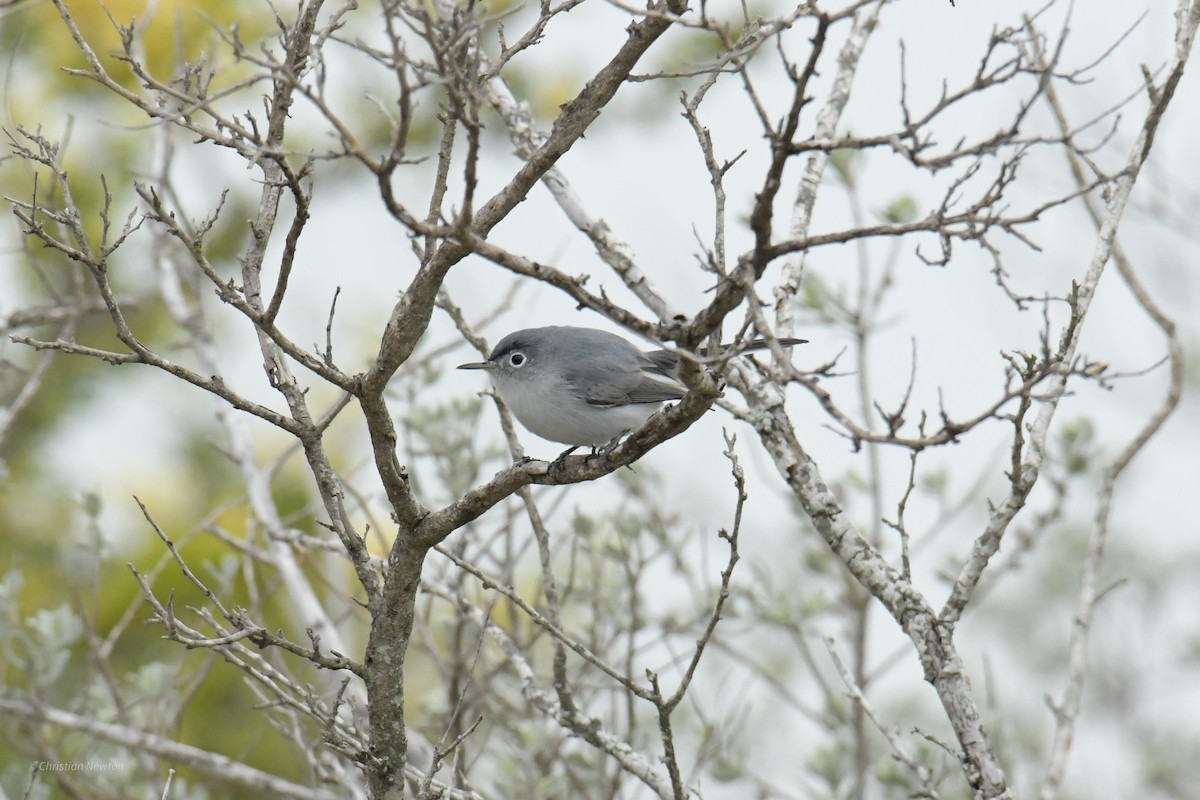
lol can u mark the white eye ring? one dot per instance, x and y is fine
(517, 359)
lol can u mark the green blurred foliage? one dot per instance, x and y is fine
(175, 31)
(57, 579)
(845, 162)
(63, 566)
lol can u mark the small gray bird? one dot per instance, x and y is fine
(582, 386)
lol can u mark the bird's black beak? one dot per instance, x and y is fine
(477, 365)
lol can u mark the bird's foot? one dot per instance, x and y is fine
(606, 450)
(561, 461)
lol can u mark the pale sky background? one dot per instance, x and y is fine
(644, 180)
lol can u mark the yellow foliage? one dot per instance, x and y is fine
(167, 32)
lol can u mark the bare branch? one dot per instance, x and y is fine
(214, 764)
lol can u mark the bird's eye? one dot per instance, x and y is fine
(517, 359)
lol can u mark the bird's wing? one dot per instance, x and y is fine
(655, 388)
(663, 362)
(614, 382)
